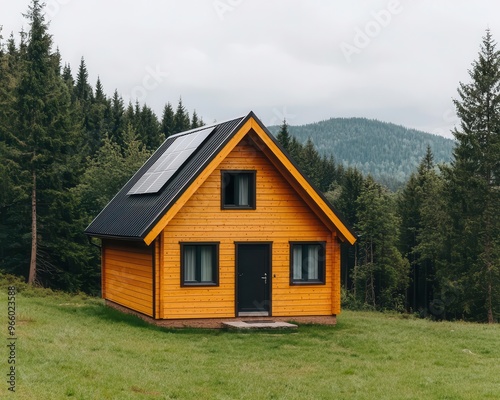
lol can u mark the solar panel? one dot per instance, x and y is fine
(169, 162)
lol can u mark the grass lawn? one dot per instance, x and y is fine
(72, 347)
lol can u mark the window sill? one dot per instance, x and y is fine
(199, 284)
(238, 208)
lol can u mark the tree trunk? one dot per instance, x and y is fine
(490, 307)
(32, 273)
(488, 258)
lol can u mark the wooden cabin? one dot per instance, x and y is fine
(220, 223)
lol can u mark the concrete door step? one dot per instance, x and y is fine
(258, 325)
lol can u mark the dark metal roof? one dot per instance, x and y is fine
(132, 216)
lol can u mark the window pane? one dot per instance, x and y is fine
(206, 263)
(312, 262)
(229, 189)
(190, 263)
(297, 262)
(243, 190)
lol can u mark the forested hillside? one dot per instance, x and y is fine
(389, 152)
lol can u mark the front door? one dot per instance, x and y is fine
(253, 278)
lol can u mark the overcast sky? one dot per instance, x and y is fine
(395, 61)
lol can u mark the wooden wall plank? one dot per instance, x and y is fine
(127, 275)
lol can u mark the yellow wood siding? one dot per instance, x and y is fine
(127, 275)
(281, 216)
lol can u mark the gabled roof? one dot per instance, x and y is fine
(143, 216)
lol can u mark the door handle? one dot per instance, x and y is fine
(264, 277)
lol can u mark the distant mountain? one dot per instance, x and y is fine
(389, 152)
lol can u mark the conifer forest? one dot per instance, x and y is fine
(429, 245)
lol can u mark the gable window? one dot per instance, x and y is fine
(307, 263)
(199, 264)
(238, 190)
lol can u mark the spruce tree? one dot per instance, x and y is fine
(283, 136)
(410, 203)
(167, 121)
(83, 90)
(11, 193)
(195, 123)
(45, 134)
(117, 118)
(68, 78)
(149, 129)
(181, 118)
(97, 119)
(351, 184)
(474, 181)
(382, 275)
(310, 162)
(100, 97)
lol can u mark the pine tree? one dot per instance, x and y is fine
(351, 185)
(411, 201)
(70, 82)
(433, 282)
(181, 118)
(149, 129)
(167, 121)
(100, 97)
(310, 162)
(83, 90)
(11, 193)
(97, 119)
(117, 120)
(195, 122)
(474, 181)
(382, 276)
(283, 136)
(45, 135)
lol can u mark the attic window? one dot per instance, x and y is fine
(238, 190)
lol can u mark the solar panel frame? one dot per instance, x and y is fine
(176, 155)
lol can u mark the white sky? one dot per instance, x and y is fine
(397, 61)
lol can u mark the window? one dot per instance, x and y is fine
(238, 190)
(307, 263)
(199, 264)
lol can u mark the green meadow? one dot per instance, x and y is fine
(74, 347)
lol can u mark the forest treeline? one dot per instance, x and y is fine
(432, 247)
(66, 148)
(389, 153)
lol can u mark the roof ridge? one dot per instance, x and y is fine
(194, 130)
